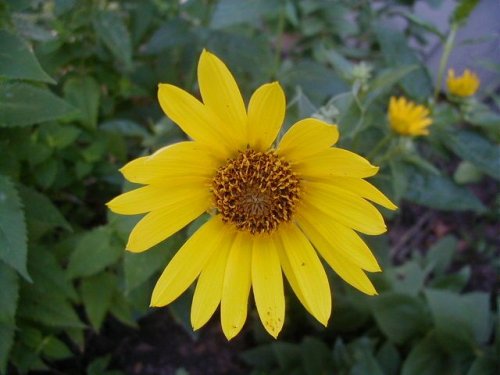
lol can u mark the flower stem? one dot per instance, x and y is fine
(379, 146)
(448, 47)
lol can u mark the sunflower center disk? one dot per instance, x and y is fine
(256, 191)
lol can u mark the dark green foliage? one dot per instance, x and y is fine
(78, 83)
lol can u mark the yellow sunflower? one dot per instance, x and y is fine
(464, 85)
(272, 208)
(408, 118)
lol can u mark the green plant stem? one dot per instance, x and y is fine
(279, 41)
(448, 47)
(379, 146)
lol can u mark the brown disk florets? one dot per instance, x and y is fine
(256, 191)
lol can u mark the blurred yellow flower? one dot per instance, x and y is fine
(408, 118)
(464, 85)
(272, 209)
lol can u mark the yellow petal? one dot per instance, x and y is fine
(153, 197)
(344, 207)
(195, 119)
(132, 170)
(187, 264)
(336, 239)
(362, 188)
(183, 159)
(267, 284)
(290, 276)
(208, 293)
(306, 138)
(335, 162)
(162, 223)
(307, 270)
(237, 283)
(337, 259)
(266, 112)
(221, 93)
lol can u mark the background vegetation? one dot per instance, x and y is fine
(78, 100)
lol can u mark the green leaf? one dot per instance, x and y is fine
(97, 292)
(139, 267)
(441, 193)
(453, 282)
(111, 29)
(47, 300)
(463, 10)
(426, 358)
(121, 310)
(408, 278)
(84, 94)
(6, 343)
(386, 79)
(59, 136)
(441, 254)
(124, 127)
(22, 104)
(94, 252)
(9, 294)
(17, 60)
(175, 32)
(478, 150)
(397, 53)
(389, 359)
(484, 366)
(467, 173)
(13, 237)
(399, 316)
(470, 312)
(233, 12)
(54, 348)
(316, 356)
(41, 214)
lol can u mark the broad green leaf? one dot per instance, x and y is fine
(46, 302)
(44, 266)
(399, 316)
(389, 359)
(316, 357)
(111, 29)
(233, 12)
(476, 149)
(41, 214)
(124, 127)
(454, 282)
(463, 10)
(22, 104)
(441, 193)
(441, 253)
(316, 81)
(121, 310)
(7, 334)
(336, 60)
(9, 294)
(13, 236)
(59, 136)
(408, 278)
(46, 173)
(397, 53)
(139, 267)
(386, 79)
(54, 348)
(426, 358)
(17, 61)
(84, 94)
(484, 366)
(94, 252)
(467, 173)
(175, 32)
(261, 357)
(97, 292)
(470, 312)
